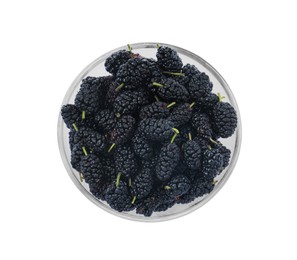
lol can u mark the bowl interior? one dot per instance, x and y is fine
(96, 68)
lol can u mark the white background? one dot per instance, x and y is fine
(45, 44)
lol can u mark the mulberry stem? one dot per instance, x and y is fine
(157, 84)
(167, 187)
(213, 141)
(220, 97)
(173, 137)
(171, 104)
(129, 47)
(111, 147)
(118, 179)
(75, 127)
(81, 177)
(175, 130)
(130, 182)
(85, 151)
(174, 73)
(119, 87)
(83, 114)
(158, 46)
(157, 99)
(190, 136)
(134, 198)
(191, 106)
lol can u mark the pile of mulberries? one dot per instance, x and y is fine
(146, 137)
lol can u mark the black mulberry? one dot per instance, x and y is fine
(199, 86)
(192, 154)
(115, 60)
(125, 161)
(118, 196)
(225, 119)
(168, 59)
(168, 160)
(142, 184)
(157, 129)
(177, 186)
(91, 96)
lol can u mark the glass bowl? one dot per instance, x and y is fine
(96, 68)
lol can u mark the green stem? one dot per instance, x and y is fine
(171, 104)
(119, 87)
(85, 151)
(111, 147)
(220, 97)
(191, 106)
(209, 147)
(75, 127)
(175, 130)
(213, 141)
(134, 198)
(157, 84)
(167, 187)
(173, 137)
(129, 47)
(81, 177)
(174, 73)
(118, 115)
(83, 114)
(118, 179)
(158, 46)
(190, 136)
(157, 99)
(130, 182)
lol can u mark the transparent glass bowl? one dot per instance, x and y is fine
(96, 68)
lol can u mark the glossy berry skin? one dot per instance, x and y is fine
(135, 72)
(192, 154)
(212, 163)
(125, 161)
(76, 155)
(128, 102)
(168, 59)
(181, 114)
(199, 187)
(224, 119)
(123, 129)
(108, 168)
(171, 91)
(115, 60)
(168, 160)
(156, 129)
(142, 147)
(225, 152)
(90, 97)
(71, 115)
(177, 186)
(91, 169)
(155, 110)
(142, 184)
(201, 123)
(119, 197)
(148, 205)
(105, 120)
(91, 139)
(199, 86)
(207, 102)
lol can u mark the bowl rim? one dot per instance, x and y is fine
(205, 199)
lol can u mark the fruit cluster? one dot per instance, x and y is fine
(146, 136)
